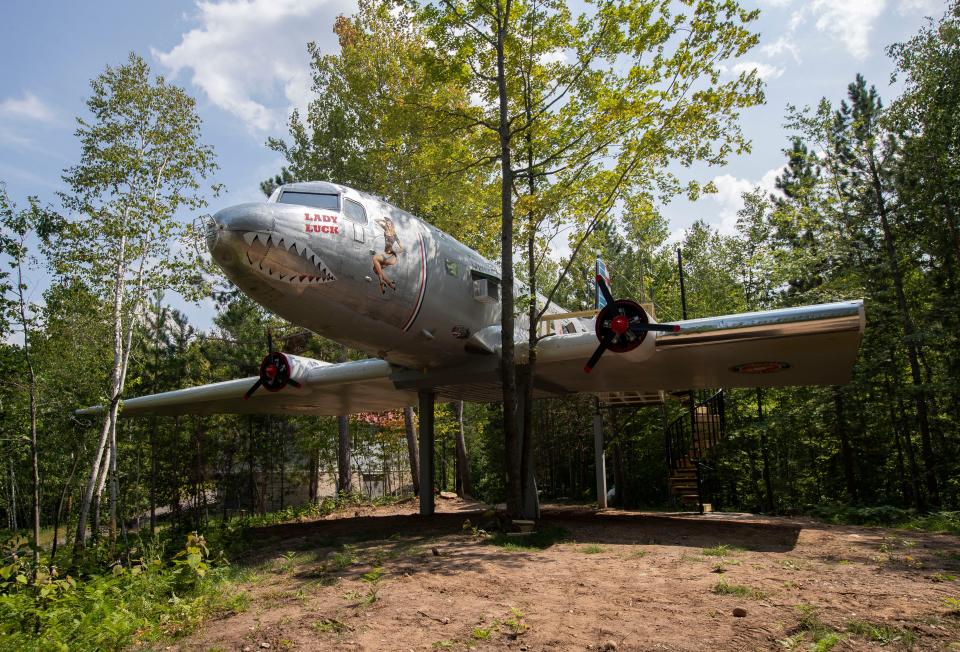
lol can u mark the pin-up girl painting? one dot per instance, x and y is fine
(391, 249)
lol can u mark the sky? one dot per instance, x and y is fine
(246, 63)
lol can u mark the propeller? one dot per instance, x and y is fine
(621, 325)
(274, 371)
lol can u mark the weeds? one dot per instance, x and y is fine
(719, 550)
(882, 634)
(722, 588)
(342, 558)
(331, 625)
(542, 539)
(591, 549)
(515, 622)
(483, 633)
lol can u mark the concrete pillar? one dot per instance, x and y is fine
(426, 414)
(601, 463)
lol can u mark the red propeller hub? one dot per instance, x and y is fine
(619, 324)
(270, 371)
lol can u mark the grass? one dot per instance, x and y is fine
(719, 550)
(158, 591)
(340, 559)
(542, 539)
(882, 634)
(888, 516)
(738, 590)
(331, 625)
(591, 549)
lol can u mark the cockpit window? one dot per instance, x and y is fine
(354, 211)
(325, 201)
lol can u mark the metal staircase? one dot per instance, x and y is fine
(690, 438)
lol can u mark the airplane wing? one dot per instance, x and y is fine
(810, 345)
(325, 389)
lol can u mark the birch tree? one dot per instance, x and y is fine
(17, 226)
(142, 160)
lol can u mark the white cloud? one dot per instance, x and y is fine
(250, 57)
(729, 196)
(925, 7)
(553, 56)
(28, 107)
(764, 70)
(850, 21)
(783, 45)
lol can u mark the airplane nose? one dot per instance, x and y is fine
(243, 217)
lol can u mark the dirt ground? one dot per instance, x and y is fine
(613, 581)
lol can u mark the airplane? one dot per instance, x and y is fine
(426, 308)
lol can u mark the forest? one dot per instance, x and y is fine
(511, 152)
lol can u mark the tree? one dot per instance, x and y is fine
(572, 102)
(142, 160)
(368, 126)
(16, 227)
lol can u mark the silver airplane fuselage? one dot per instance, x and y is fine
(364, 273)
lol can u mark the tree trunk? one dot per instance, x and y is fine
(343, 455)
(314, 462)
(412, 449)
(846, 453)
(116, 379)
(765, 454)
(465, 483)
(114, 486)
(343, 446)
(511, 424)
(154, 462)
(12, 511)
(32, 391)
(909, 336)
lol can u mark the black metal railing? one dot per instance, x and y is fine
(692, 435)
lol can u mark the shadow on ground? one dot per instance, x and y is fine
(582, 525)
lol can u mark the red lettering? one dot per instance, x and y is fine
(322, 228)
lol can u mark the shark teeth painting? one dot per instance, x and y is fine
(284, 259)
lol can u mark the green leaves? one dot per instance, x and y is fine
(142, 162)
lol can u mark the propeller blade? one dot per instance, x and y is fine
(604, 290)
(269, 341)
(250, 391)
(294, 383)
(663, 328)
(595, 358)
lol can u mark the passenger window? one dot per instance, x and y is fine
(453, 269)
(354, 211)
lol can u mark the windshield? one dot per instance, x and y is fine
(325, 201)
